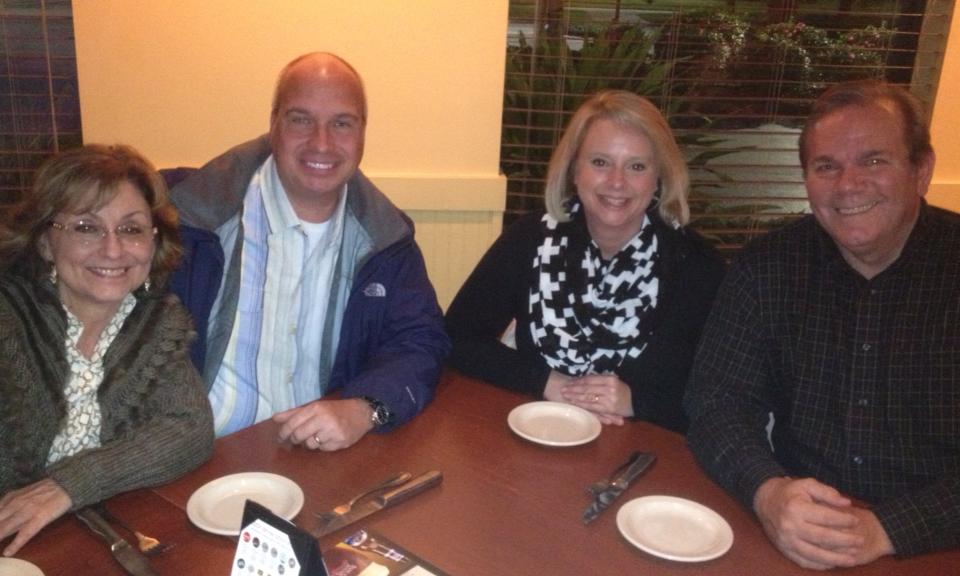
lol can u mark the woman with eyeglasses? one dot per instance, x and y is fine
(609, 290)
(98, 393)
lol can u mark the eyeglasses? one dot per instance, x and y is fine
(92, 234)
(300, 124)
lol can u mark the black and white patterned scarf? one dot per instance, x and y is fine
(586, 313)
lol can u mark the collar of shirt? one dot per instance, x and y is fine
(110, 331)
(280, 213)
(914, 249)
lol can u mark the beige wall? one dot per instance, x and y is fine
(182, 80)
(945, 190)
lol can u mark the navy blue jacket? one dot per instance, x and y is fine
(392, 342)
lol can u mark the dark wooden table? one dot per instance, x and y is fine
(506, 506)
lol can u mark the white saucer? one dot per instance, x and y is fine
(18, 567)
(674, 528)
(217, 506)
(554, 423)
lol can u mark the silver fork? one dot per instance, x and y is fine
(147, 544)
(342, 509)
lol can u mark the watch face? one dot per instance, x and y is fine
(381, 415)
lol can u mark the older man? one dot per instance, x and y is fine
(846, 327)
(324, 287)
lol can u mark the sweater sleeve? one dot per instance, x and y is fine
(487, 303)
(157, 422)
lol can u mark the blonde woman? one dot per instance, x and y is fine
(609, 291)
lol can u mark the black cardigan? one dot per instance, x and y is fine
(498, 291)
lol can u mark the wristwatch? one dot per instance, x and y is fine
(381, 414)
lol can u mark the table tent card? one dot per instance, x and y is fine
(270, 545)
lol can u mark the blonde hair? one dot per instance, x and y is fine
(633, 112)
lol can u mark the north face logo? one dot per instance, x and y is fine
(375, 290)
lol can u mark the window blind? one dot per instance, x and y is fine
(39, 105)
(735, 80)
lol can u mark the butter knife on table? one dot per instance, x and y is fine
(606, 491)
(129, 557)
(387, 499)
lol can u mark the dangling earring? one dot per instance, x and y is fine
(146, 285)
(53, 275)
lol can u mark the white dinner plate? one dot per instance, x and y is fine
(554, 423)
(674, 528)
(18, 567)
(217, 506)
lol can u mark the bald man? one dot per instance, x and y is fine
(323, 286)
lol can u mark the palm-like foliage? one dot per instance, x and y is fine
(547, 80)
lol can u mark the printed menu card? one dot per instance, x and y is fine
(367, 553)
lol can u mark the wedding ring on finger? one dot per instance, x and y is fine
(316, 438)
(596, 397)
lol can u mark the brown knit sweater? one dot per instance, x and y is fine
(156, 420)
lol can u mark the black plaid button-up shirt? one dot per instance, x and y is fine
(862, 377)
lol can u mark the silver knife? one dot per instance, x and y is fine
(606, 491)
(129, 557)
(387, 499)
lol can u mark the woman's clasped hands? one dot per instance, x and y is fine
(608, 397)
